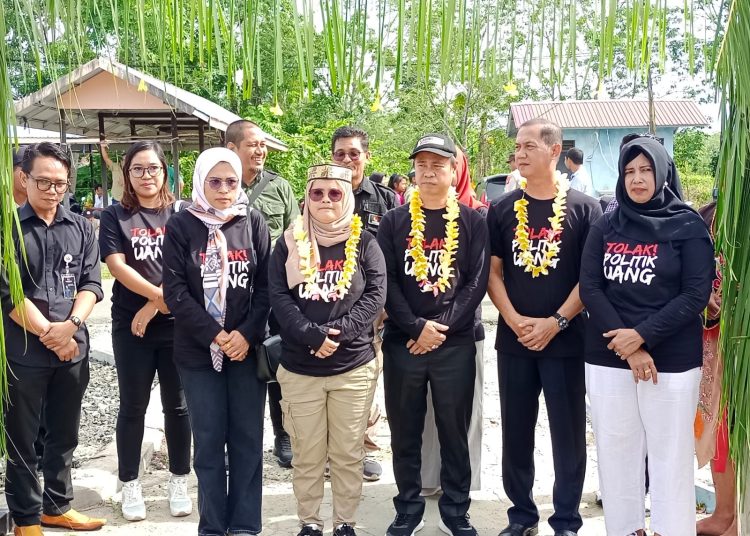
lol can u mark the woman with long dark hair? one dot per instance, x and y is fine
(215, 282)
(646, 276)
(131, 235)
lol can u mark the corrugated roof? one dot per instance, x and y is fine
(597, 114)
(42, 109)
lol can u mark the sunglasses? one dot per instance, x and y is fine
(317, 194)
(354, 155)
(215, 183)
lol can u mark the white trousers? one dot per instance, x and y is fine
(632, 421)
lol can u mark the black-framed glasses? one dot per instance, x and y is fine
(45, 184)
(353, 155)
(138, 171)
(215, 183)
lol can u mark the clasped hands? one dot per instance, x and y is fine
(233, 344)
(147, 313)
(58, 337)
(534, 333)
(431, 338)
(627, 344)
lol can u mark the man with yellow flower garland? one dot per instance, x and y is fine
(537, 233)
(437, 261)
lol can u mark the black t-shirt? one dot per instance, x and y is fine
(305, 319)
(542, 296)
(407, 306)
(657, 288)
(139, 235)
(248, 245)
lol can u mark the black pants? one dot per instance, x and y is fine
(29, 388)
(274, 389)
(450, 371)
(226, 413)
(562, 381)
(137, 362)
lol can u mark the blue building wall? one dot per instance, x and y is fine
(601, 150)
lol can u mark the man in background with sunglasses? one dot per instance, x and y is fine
(47, 344)
(350, 147)
(272, 196)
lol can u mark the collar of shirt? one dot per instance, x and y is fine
(26, 212)
(366, 187)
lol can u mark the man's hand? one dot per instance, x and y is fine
(538, 332)
(68, 351)
(714, 305)
(431, 336)
(329, 346)
(236, 346)
(415, 348)
(625, 342)
(515, 324)
(142, 318)
(642, 365)
(58, 334)
(221, 338)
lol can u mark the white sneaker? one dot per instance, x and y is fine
(133, 507)
(179, 502)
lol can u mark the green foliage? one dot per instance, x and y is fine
(695, 151)
(698, 188)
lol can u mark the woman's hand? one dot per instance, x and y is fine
(713, 309)
(625, 342)
(160, 304)
(236, 346)
(642, 365)
(328, 347)
(142, 318)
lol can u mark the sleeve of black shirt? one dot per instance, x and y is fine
(396, 305)
(591, 284)
(698, 271)
(293, 323)
(366, 308)
(494, 226)
(183, 305)
(470, 293)
(254, 328)
(110, 241)
(91, 270)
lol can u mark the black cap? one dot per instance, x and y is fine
(435, 143)
(18, 156)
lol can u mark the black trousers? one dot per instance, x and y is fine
(450, 371)
(137, 362)
(562, 381)
(274, 389)
(29, 388)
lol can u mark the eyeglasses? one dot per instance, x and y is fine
(45, 184)
(317, 194)
(138, 171)
(339, 156)
(215, 183)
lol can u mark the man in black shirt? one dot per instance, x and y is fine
(536, 260)
(437, 261)
(48, 361)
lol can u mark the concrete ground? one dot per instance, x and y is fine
(96, 482)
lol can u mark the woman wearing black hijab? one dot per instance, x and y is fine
(646, 276)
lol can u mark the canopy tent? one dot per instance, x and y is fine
(106, 100)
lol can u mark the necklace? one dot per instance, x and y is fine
(310, 271)
(450, 244)
(554, 233)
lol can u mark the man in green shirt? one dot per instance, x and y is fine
(272, 195)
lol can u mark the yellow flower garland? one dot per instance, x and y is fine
(556, 227)
(450, 244)
(310, 271)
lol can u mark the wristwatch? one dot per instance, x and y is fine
(76, 321)
(562, 322)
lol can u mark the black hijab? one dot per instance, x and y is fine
(665, 217)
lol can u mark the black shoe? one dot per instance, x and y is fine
(405, 525)
(310, 530)
(565, 533)
(344, 530)
(457, 526)
(516, 529)
(282, 449)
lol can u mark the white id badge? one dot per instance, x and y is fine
(68, 286)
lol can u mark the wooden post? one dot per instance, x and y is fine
(201, 140)
(104, 166)
(64, 145)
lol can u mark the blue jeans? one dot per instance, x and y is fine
(226, 410)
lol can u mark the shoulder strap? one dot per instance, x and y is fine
(264, 180)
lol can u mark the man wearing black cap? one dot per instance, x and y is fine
(437, 261)
(19, 191)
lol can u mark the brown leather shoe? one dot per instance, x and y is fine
(73, 520)
(30, 530)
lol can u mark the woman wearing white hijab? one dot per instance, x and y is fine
(215, 283)
(327, 283)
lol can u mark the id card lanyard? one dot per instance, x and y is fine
(68, 280)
